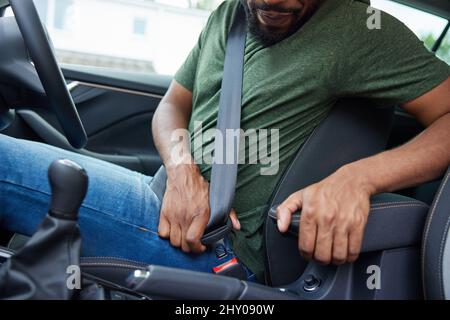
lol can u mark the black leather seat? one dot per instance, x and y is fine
(436, 246)
(353, 130)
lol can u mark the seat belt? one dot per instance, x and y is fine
(225, 164)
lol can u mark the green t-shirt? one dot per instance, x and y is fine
(292, 86)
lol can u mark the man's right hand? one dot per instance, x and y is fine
(185, 209)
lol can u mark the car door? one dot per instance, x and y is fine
(118, 58)
(116, 109)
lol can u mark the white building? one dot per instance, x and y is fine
(136, 35)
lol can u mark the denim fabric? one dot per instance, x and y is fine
(119, 217)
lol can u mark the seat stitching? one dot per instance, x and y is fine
(102, 264)
(427, 230)
(441, 249)
(378, 208)
(119, 260)
(268, 256)
(395, 202)
(399, 206)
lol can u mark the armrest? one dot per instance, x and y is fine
(394, 222)
(219, 224)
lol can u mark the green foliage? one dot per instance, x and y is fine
(206, 4)
(203, 4)
(444, 49)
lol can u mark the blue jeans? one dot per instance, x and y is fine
(119, 217)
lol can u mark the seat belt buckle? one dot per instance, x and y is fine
(231, 268)
(213, 236)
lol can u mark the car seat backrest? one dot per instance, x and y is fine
(352, 131)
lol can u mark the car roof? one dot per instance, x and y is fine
(436, 7)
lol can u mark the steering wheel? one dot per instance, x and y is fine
(48, 70)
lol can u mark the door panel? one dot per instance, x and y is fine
(133, 81)
(116, 109)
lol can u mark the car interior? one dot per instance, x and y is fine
(106, 114)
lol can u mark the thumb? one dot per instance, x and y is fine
(287, 209)
(235, 220)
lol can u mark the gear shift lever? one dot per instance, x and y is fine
(39, 269)
(69, 183)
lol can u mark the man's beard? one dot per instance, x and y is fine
(270, 36)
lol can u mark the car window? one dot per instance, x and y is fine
(444, 49)
(426, 26)
(150, 36)
(155, 36)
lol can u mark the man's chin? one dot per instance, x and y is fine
(270, 36)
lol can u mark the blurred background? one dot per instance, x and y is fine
(155, 36)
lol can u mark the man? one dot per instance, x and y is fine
(301, 57)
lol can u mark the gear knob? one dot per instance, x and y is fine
(69, 184)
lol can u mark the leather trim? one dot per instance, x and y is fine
(380, 204)
(110, 270)
(268, 265)
(275, 195)
(111, 262)
(296, 218)
(434, 240)
(5, 253)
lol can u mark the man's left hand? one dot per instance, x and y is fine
(334, 213)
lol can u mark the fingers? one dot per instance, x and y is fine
(324, 244)
(334, 214)
(184, 244)
(286, 209)
(340, 247)
(194, 234)
(175, 235)
(355, 240)
(235, 220)
(163, 227)
(307, 236)
(328, 233)
(328, 242)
